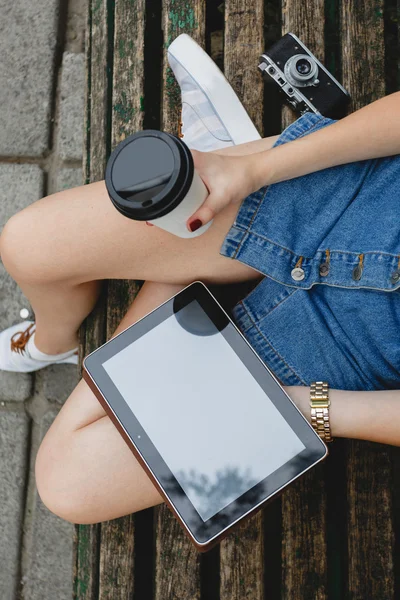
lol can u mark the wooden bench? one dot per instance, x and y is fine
(335, 533)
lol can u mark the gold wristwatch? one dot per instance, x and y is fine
(319, 402)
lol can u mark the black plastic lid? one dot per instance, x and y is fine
(149, 174)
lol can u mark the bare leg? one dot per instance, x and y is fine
(58, 250)
(61, 247)
(62, 270)
(85, 472)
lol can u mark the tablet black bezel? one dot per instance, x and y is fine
(315, 449)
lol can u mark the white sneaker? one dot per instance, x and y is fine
(212, 114)
(18, 352)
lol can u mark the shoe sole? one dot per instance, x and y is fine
(216, 87)
(71, 360)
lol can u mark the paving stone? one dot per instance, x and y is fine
(20, 185)
(55, 383)
(49, 553)
(72, 93)
(28, 38)
(68, 178)
(76, 25)
(13, 467)
(15, 387)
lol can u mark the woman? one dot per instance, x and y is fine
(322, 247)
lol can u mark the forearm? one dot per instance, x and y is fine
(373, 416)
(371, 132)
(254, 147)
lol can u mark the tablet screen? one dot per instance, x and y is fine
(207, 416)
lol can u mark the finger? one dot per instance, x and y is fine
(206, 212)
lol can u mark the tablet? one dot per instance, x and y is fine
(207, 420)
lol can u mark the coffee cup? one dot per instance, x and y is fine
(150, 177)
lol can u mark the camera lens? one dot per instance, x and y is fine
(303, 66)
(300, 70)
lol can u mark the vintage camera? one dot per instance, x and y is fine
(306, 84)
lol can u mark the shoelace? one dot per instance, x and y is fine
(180, 125)
(19, 344)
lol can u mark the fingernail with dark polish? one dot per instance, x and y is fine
(194, 225)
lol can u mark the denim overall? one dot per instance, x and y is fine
(328, 244)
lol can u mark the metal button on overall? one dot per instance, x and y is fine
(298, 274)
(324, 269)
(395, 278)
(357, 273)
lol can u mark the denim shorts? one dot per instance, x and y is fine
(328, 245)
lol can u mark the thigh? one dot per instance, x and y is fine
(83, 237)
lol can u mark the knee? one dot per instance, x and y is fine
(56, 488)
(24, 249)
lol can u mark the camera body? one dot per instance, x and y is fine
(306, 84)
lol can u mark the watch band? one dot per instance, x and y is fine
(319, 403)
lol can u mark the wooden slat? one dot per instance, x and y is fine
(177, 563)
(117, 550)
(244, 42)
(86, 547)
(86, 562)
(116, 580)
(98, 89)
(369, 469)
(370, 522)
(242, 553)
(363, 51)
(179, 16)
(242, 562)
(128, 72)
(304, 558)
(306, 20)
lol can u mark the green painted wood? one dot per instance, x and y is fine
(86, 562)
(179, 16)
(128, 70)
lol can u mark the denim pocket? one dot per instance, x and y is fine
(274, 361)
(251, 312)
(346, 337)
